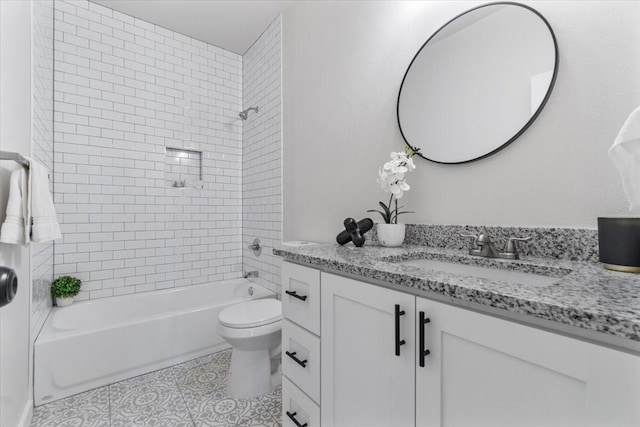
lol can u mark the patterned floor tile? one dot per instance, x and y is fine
(203, 385)
(149, 400)
(272, 401)
(201, 378)
(192, 393)
(89, 409)
(229, 412)
(221, 358)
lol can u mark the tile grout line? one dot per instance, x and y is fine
(109, 409)
(175, 380)
(277, 423)
(260, 399)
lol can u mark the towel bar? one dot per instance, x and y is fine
(16, 157)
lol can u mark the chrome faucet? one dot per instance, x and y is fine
(483, 246)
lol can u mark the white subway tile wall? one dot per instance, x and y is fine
(262, 155)
(42, 151)
(124, 90)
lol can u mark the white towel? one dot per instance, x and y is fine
(625, 155)
(14, 229)
(45, 224)
(31, 215)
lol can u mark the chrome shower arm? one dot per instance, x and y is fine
(245, 113)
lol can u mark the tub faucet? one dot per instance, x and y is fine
(250, 274)
(483, 246)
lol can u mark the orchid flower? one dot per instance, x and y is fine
(391, 177)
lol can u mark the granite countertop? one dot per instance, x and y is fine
(586, 295)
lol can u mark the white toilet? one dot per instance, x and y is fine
(254, 330)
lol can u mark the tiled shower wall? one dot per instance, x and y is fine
(262, 158)
(125, 90)
(42, 150)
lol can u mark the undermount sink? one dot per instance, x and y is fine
(516, 277)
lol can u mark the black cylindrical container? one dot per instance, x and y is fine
(619, 243)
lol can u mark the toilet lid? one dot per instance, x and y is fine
(251, 313)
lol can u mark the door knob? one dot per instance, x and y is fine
(8, 285)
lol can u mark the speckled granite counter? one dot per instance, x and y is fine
(586, 296)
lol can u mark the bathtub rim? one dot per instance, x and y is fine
(49, 333)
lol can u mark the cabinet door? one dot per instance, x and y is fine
(485, 371)
(363, 381)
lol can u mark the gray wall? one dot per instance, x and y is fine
(342, 67)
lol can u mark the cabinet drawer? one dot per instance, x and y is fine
(301, 296)
(297, 405)
(300, 347)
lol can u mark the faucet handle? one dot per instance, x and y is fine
(483, 238)
(474, 242)
(510, 247)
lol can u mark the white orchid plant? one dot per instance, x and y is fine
(391, 177)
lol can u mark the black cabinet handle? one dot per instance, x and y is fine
(302, 363)
(423, 351)
(292, 417)
(295, 295)
(398, 341)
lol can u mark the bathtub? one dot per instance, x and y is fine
(94, 343)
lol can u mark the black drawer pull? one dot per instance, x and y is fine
(295, 295)
(292, 417)
(423, 351)
(398, 341)
(302, 363)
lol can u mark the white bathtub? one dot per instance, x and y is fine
(94, 343)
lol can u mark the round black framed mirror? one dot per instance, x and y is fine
(478, 83)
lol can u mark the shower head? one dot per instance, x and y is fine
(244, 114)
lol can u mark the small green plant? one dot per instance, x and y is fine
(65, 287)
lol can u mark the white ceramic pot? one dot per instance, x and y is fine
(390, 235)
(63, 302)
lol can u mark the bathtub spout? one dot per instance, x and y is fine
(250, 274)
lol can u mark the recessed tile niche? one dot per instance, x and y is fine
(183, 168)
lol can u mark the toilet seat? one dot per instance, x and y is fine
(251, 314)
(233, 335)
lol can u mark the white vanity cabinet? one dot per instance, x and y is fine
(479, 371)
(485, 371)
